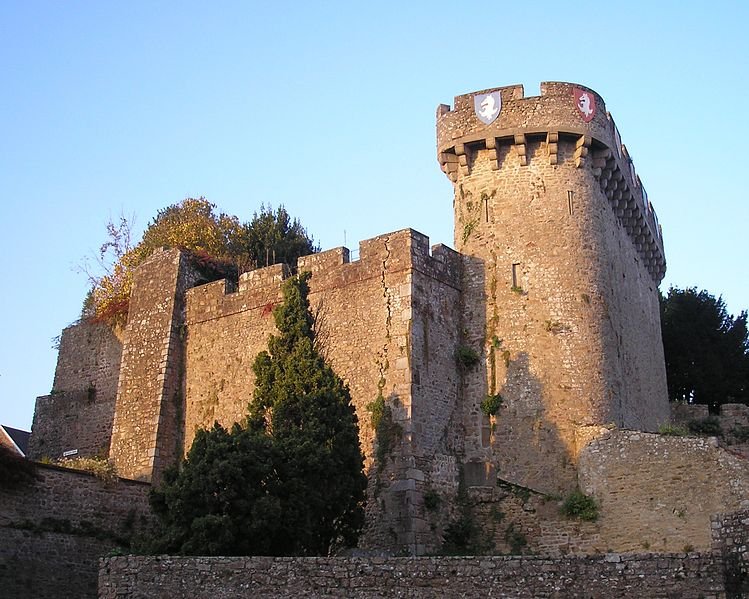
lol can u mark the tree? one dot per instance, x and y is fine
(223, 501)
(219, 243)
(273, 237)
(306, 408)
(706, 349)
(288, 482)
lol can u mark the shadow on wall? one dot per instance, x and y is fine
(512, 423)
(527, 447)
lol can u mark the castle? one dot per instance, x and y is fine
(518, 366)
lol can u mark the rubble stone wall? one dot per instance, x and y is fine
(54, 528)
(77, 415)
(690, 576)
(658, 492)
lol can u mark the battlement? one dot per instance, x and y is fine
(555, 118)
(553, 110)
(393, 252)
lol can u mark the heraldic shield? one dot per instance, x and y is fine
(487, 107)
(585, 103)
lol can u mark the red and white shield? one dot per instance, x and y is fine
(585, 102)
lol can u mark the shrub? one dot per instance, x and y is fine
(709, 426)
(672, 430)
(580, 506)
(740, 433)
(491, 404)
(466, 358)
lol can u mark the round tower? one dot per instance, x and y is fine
(562, 257)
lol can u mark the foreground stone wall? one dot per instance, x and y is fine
(54, 528)
(658, 492)
(690, 576)
(78, 414)
(730, 536)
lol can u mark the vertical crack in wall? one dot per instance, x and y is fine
(382, 362)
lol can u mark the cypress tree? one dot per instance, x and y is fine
(306, 409)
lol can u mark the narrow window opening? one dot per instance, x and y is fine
(486, 210)
(515, 279)
(571, 201)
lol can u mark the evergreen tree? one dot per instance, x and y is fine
(222, 501)
(306, 408)
(706, 349)
(291, 481)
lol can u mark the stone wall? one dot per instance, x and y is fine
(148, 421)
(730, 542)
(658, 492)
(78, 414)
(54, 528)
(690, 576)
(732, 418)
(376, 316)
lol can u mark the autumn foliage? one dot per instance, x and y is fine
(219, 244)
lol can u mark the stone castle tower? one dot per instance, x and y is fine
(550, 305)
(562, 256)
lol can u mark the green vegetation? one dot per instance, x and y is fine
(220, 246)
(580, 506)
(432, 500)
(491, 404)
(468, 228)
(672, 430)
(288, 482)
(387, 431)
(740, 433)
(101, 468)
(516, 539)
(709, 426)
(706, 349)
(466, 358)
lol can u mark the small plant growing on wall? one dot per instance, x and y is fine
(672, 430)
(580, 506)
(491, 404)
(515, 539)
(387, 431)
(466, 358)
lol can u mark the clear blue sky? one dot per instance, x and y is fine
(328, 108)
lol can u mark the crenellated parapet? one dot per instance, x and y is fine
(257, 289)
(564, 113)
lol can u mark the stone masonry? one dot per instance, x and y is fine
(561, 269)
(55, 527)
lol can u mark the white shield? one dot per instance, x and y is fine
(487, 107)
